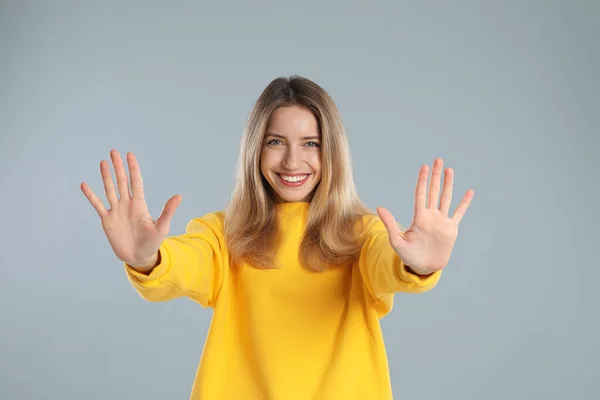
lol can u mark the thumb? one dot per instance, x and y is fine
(390, 223)
(163, 223)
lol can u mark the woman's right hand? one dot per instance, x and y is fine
(132, 233)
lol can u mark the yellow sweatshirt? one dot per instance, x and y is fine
(287, 333)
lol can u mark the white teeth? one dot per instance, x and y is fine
(293, 178)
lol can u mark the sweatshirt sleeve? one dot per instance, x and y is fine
(383, 271)
(191, 265)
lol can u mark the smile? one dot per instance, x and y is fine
(292, 180)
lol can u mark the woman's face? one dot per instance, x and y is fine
(291, 153)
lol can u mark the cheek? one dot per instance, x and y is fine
(315, 162)
(267, 160)
(263, 162)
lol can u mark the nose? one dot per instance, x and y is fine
(291, 160)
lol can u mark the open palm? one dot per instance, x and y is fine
(427, 244)
(132, 233)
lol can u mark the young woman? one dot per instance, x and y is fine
(296, 268)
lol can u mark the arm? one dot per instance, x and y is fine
(187, 265)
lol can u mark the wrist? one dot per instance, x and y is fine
(148, 265)
(417, 272)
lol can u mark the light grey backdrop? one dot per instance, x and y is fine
(506, 92)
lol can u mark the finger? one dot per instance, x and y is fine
(121, 175)
(109, 187)
(137, 185)
(421, 189)
(93, 199)
(389, 221)
(462, 207)
(163, 222)
(446, 198)
(434, 184)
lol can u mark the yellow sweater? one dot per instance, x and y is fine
(287, 333)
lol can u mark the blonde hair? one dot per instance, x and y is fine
(331, 235)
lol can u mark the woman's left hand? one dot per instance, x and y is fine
(426, 246)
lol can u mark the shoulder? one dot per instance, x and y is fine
(213, 221)
(369, 223)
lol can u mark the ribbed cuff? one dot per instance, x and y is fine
(158, 271)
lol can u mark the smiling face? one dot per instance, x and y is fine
(291, 154)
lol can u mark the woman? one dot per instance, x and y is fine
(297, 269)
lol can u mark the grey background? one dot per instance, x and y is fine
(506, 92)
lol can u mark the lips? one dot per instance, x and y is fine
(296, 179)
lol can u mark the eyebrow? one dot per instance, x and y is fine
(303, 138)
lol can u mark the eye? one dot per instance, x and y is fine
(313, 144)
(271, 142)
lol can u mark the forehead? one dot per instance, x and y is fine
(293, 121)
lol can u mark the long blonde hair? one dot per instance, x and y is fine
(335, 210)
